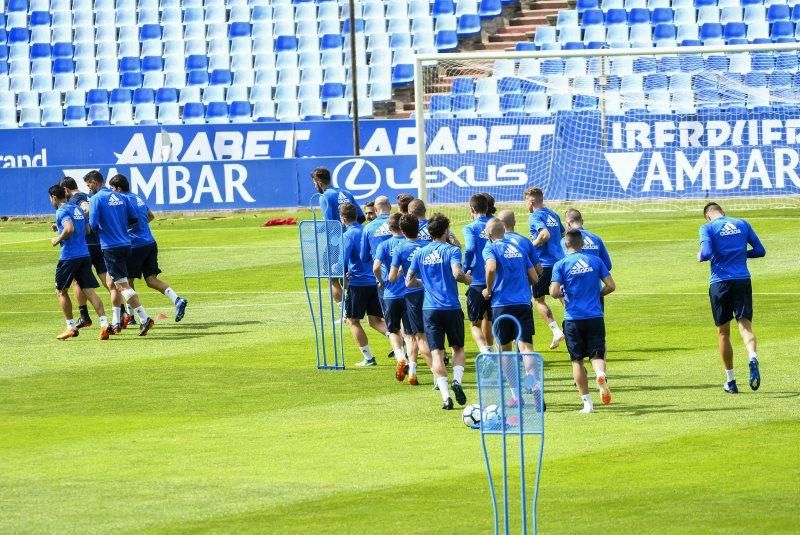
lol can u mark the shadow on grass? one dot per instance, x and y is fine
(209, 325)
(641, 410)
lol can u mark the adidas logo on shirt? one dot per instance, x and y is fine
(588, 243)
(432, 259)
(139, 201)
(512, 252)
(343, 198)
(729, 229)
(383, 230)
(551, 221)
(581, 266)
(77, 213)
(113, 200)
(424, 234)
(483, 235)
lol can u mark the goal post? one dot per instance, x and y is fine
(624, 129)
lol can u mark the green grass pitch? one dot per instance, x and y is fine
(222, 423)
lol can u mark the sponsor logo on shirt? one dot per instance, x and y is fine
(483, 234)
(729, 229)
(512, 252)
(424, 234)
(551, 221)
(342, 199)
(139, 201)
(77, 213)
(588, 243)
(383, 230)
(580, 267)
(432, 259)
(113, 200)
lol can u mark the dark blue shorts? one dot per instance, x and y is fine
(117, 262)
(143, 261)
(441, 323)
(478, 306)
(99, 263)
(395, 313)
(414, 322)
(542, 286)
(731, 299)
(75, 269)
(507, 331)
(586, 338)
(360, 301)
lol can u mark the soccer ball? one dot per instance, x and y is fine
(471, 416)
(491, 417)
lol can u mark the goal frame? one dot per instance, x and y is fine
(421, 59)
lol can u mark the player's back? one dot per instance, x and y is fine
(728, 237)
(580, 275)
(524, 244)
(592, 245)
(78, 199)
(403, 255)
(360, 272)
(374, 233)
(544, 218)
(424, 235)
(385, 253)
(109, 211)
(140, 233)
(332, 198)
(475, 239)
(75, 245)
(511, 286)
(433, 264)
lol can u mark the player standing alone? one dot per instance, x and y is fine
(546, 230)
(577, 278)
(724, 241)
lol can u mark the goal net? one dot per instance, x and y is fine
(622, 129)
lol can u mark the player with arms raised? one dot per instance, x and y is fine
(724, 242)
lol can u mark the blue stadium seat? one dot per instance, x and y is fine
(193, 113)
(216, 112)
(655, 82)
(525, 46)
(446, 40)
(512, 105)
(469, 24)
(703, 3)
(735, 30)
(661, 15)
(638, 16)
(149, 31)
(331, 90)
(464, 106)
(98, 115)
(402, 74)
(440, 106)
(664, 32)
(710, 31)
(240, 112)
(778, 12)
(197, 77)
(463, 85)
(120, 96)
(583, 5)
(144, 95)
(645, 64)
(762, 62)
(592, 17)
(509, 84)
(443, 7)
(490, 8)
(782, 29)
(75, 116)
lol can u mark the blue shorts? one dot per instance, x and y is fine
(478, 306)
(441, 323)
(414, 321)
(75, 269)
(360, 301)
(731, 299)
(117, 262)
(542, 286)
(394, 312)
(507, 331)
(586, 338)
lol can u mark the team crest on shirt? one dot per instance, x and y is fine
(580, 267)
(512, 252)
(551, 221)
(77, 213)
(729, 229)
(588, 243)
(113, 200)
(383, 230)
(433, 258)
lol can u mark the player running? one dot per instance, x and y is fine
(361, 296)
(143, 261)
(546, 230)
(413, 322)
(592, 243)
(417, 209)
(110, 215)
(74, 264)
(523, 243)
(724, 241)
(437, 266)
(475, 239)
(577, 278)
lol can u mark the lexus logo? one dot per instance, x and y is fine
(361, 177)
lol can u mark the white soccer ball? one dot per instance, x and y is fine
(471, 416)
(491, 417)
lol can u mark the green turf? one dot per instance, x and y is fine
(221, 423)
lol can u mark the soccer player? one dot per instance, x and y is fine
(475, 239)
(413, 322)
(110, 215)
(393, 292)
(361, 296)
(143, 260)
(74, 262)
(369, 211)
(403, 200)
(592, 243)
(577, 279)
(376, 231)
(417, 209)
(546, 230)
(491, 209)
(437, 267)
(524, 244)
(724, 242)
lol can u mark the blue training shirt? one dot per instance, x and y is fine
(75, 245)
(78, 199)
(545, 218)
(374, 233)
(360, 272)
(592, 245)
(511, 285)
(581, 275)
(402, 257)
(385, 253)
(433, 266)
(332, 198)
(110, 214)
(424, 235)
(525, 245)
(475, 240)
(140, 233)
(724, 242)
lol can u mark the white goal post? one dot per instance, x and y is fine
(658, 128)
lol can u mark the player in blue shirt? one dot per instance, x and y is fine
(143, 261)
(577, 279)
(475, 240)
(437, 267)
(74, 264)
(369, 211)
(110, 215)
(417, 208)
(546, 230)
(361, 297)
(523, 243)
(413, 321)
(724, 242)
(377, 230)
(592, 243)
